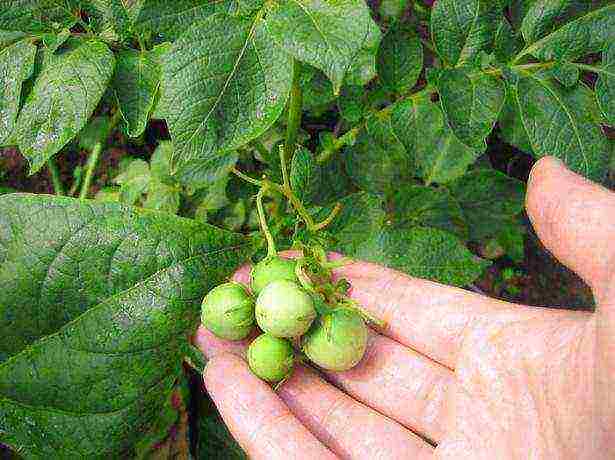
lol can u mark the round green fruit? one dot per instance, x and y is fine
(284, 309)
(271, 358)
(337, 342)
(272, 269)
(228, 311)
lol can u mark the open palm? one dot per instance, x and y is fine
(455, 375)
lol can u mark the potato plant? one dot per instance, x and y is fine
(362, 129)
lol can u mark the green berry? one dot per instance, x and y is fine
(337, 342)
(272, 269)
(228, 311)
(284, 309)
(271, 358)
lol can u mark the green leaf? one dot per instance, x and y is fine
(352, 104)
(62, 100)
(511, 124)
(225, 83)
(327, 35)
(423, 252)
(506, 44)
(562, 122)
(304, 175)
(512, 239)
(378, 161)
(136, 81)
(460, 29)
(421, 127)
(361, 215)
(588, 34)
(540, 17)
(362, 69)
(316, 88)
(489, 199)
(400, 58)
(160, 164)
(420, 206)
(566, 73)
(38, 15)
(16, 65)
(134, 181)
(471, 104)
(97, 302)
(162, 197)
(169, 20)
(97, 130)
(605, 86)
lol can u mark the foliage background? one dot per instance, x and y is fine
(423, 124)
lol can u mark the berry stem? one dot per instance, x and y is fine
(271, 250)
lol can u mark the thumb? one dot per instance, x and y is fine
(575, 220)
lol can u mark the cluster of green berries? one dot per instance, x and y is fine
(334, 340)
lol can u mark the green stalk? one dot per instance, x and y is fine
(90, 168)
(271, 250)
(54, 173)
(294, 115)
(93, 158)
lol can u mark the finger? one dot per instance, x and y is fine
(349, 428)
(330, 414)
(575, 220)
(259, 420)
(392, 379)
(426, 316)
(401, 384)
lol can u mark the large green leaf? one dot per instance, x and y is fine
(605, 86)
(563, 122)
(489, 200)
(590, 33)
(511, 124)
(361, 215)
(541, 16)
(378, 161)
(417, 205)
(96, 304)
(62, 100)
(38, 15)
(460, 29)
(224, 83)
(421, 127)
(169, 19)
(327, 35)
(400, 58)
(16, 65)
(136, 80)
(423, 252)
(471, 104)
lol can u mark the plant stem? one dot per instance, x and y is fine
(54, 173)
(345, 139)
(283, 166)
(247, 178)
(332, 215)
(294, 113)
(271, 250)
(94, 156)
(90, 168)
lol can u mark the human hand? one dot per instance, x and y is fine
(475, 377)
